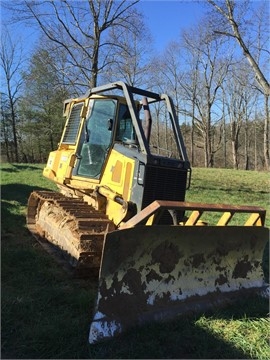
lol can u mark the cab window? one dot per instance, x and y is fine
(125, 131)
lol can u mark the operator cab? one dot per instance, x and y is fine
(100, 132)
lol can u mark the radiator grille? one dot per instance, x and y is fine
(164, 184)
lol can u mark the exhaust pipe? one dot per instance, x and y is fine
(147, 118)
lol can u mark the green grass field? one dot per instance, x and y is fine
(46, 312)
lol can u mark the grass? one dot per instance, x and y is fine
(226, 186)
(230, 186)
(244, 334)
(46, 312)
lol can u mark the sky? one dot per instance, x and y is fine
(165, 19)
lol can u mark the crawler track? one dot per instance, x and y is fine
(72, 225)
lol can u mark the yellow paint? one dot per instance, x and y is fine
(120, 183)
(194, 217)
(52, 164)
(80, 183)
(114, 211)
(225, 218)
(59, 165)
(150, 220)
(254, 220)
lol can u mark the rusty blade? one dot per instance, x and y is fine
(153, 273)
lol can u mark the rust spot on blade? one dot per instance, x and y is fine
(197, 260)
(126, 297)
(134, 281)
(221, 280)
(152, 275)
(242, 268)
(167, 255)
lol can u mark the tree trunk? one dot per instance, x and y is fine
(255, 146)
(266, 133)
(224, 143)
(234, 155)
(209, 137)
(14, 133)
(207, 145)
(192, 142)
(246, 147)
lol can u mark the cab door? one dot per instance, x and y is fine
(97, 137)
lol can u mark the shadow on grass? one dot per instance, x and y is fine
(10, 168)
(208, 188)
(12, 196)
(183, 338)
(18, 192)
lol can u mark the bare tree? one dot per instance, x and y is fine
(81, 29)
(227, 9)
(189, 89)
(10, 63)
(130, 59)
(165, 78)
(239, 100)
(211, 69)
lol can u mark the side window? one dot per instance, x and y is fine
(125, 131)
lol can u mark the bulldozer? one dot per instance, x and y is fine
(121, 212)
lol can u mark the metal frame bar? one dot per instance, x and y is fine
(152, 212)
(129, 91)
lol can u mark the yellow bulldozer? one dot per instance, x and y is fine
(120, 210)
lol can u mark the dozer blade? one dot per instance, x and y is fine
(151, 273)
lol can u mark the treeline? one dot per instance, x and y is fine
(214, 71)
(250, 153)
